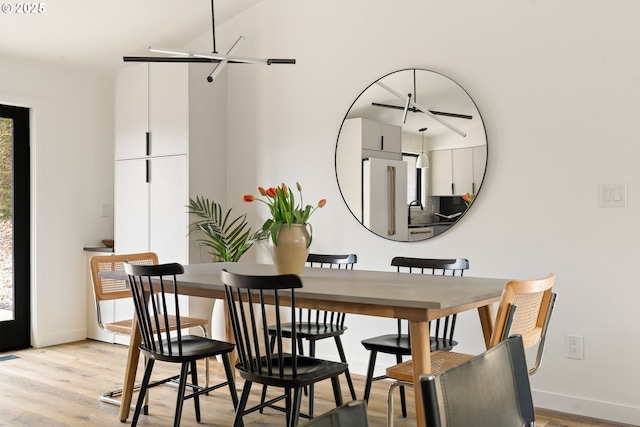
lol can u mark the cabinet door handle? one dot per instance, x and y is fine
(147, 172)
(391, 181)
(148, 143)
(382, 143)
(452, 189)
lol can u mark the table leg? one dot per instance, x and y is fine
(130, 371)
(421, 356)
(487, 320)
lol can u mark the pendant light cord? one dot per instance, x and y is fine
(213, 28)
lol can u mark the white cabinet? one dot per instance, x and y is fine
(150, 213)
(169, 146)
(457, 172)
(376, 139)
(362, 139)
(151, 109)
(441, 169)
(420, 233)
(462, 167)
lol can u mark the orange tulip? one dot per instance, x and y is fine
(249, 198)
(262, 191)
(271, 192)
(322, 202)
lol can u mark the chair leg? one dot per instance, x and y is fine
(295, 408)
(337, 393)
(143, 391)
(390, 411)
(343, 359)
(230, 379)
(196, 398)
(263, 395)
(206, 361)
(246, 389)
(403, 399)
(312, 353)
(367, 384)
(184, 372)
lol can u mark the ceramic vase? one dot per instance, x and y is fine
(290, 254)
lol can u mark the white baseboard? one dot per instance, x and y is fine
(589, 408)
(46, 340)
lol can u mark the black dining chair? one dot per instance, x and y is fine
(249, 298)
(489, 390)
(351, 414)
(316, 325)
(399, 344)
(155, 297)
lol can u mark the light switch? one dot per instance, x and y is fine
(613, 195)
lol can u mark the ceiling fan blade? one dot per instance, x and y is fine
(424, 110)
(434, 112)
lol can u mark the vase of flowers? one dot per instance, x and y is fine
(468, 199)
(288, 229)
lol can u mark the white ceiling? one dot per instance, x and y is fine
(96, 34)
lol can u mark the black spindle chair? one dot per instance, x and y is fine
(248, 301)
(399, 344)
(316, 325)
(155, 296)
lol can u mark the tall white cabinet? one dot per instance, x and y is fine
(169, 146)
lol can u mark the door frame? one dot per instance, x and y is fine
(16, 334)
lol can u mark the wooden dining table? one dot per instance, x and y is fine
(416, 297)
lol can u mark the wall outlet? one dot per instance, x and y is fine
(574, 347)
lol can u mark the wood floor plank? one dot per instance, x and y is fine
(59, 386)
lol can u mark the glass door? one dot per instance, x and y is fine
(14, 228)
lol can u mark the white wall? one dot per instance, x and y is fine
(557, 85)
(72, 174)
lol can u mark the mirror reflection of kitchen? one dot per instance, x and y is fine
(411, 155)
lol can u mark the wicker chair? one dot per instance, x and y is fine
(525, 309)
(111, 290)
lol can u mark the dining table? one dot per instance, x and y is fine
(415, 297)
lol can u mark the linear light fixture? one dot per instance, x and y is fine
(424, 110)
(181, 55)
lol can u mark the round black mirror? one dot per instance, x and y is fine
(411, 155)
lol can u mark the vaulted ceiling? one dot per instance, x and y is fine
(96, 34)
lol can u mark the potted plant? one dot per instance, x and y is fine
(226, 238)
(288, 228)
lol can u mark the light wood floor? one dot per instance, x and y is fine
(60, 385)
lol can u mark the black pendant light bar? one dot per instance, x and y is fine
(415, 110)
(213, 57)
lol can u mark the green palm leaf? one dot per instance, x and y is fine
(226, 238)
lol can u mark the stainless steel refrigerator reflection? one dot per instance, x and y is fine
(384, 197)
